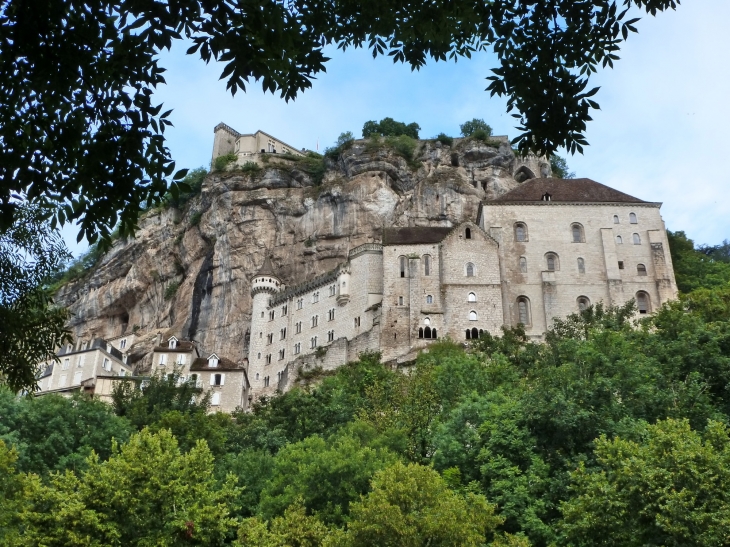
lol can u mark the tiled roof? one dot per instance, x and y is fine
(566, 190)
(201, 363)
(182, 345)
(414, 236)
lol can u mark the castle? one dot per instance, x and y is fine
(546, 249)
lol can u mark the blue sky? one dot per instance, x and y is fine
(661, 133)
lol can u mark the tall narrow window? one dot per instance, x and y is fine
(400, 300)
(552, 262)
(523, 264)
(523, 310)
(429, 299)
(469, 269)
(577, 230)
(581, 266)
(471, 297)
(472, 315)
(640, 269)
(632, 218)
(520, 232)
(402, 266)
(619, 240)
(467, 233)
(642, 302)
(426, 265)
(637, 239)
(615, 219)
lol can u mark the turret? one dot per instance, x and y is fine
(264, 285)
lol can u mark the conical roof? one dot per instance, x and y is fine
(266, 268)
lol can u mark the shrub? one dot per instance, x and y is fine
(251, 167)
(443, 138)
(403, 145)
(560, 168)
(388, 127)
(313, 164)
(344, 142)
(221, 162)
(469, 128)
(195, 219)
(171, 290)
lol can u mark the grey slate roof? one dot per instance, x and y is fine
(566, 190)
(416, 235)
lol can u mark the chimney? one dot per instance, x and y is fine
(159, 339)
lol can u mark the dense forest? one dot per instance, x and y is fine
(612, 432)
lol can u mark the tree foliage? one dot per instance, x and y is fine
(388, 127)
(469, 128)
(559, 167)
(31, 327)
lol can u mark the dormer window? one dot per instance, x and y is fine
(546, 196)
(172, 343)
(213, 361)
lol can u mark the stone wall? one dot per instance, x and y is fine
(553, 294)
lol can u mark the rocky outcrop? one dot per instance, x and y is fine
(187, 272)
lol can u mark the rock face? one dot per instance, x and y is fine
(211, 249)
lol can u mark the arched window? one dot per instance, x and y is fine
(523, 310)
(420, 332)
(581, 266)
(467, 233)
(583, 303)
(619, 240)
(433, 333)
(637, 239)
(429, 299)
(577, 231)
(468, 334)
(472, 315)
(642, 302)
(640, 269)
(520, 232)
(426, 264)
(553, 264)
(474, 333)
(469, 269)
(427, 332)
(632, 218)
(481, 331)
(402, 260)
(523, 264)
(615, 219)
(472, 297)
(427, 321)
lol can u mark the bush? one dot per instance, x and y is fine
(313, 164)
(171, 290)
(403, 145)
(195, 219)
(221, 162)
(251, 167)
(468, 129)
(388, 127)
(344, 142)
(443, 138)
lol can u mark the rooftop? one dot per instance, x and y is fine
(566, 190)
(415, 235)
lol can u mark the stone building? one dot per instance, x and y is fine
(546, 249)
(248, 146)
(225, 380)
(91, 367)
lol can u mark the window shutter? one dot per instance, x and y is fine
(212, 379)
(223, 379)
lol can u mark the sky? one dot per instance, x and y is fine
(660, 134)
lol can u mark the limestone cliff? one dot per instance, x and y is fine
(211, 249)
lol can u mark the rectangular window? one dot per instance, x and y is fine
(215, 400)
(217, 379)
(283, 333)
(270, 338)
(107, 364)
(400, 300)
(271, 315)
(297, 348)
(62, 381)
(620, 264)
(84, 345)
(122, 343)
(268, 359)
(315, 320)
(298, 327)
(66, 363)
(281, 354)
(77, 378)
(283, 311)
(300, 303)
(331, 315)
(180, 359)
(163, 359)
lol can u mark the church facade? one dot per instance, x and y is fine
(546, 249)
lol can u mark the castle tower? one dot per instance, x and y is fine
(264, 285)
